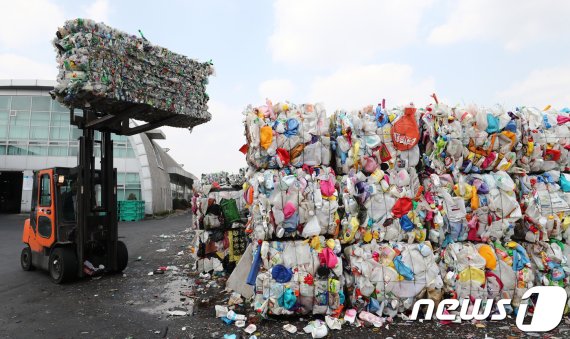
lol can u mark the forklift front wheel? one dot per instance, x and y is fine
(26, 259)
(62, 265)
(122, 256)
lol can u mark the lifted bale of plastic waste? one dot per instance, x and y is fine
(106, 70)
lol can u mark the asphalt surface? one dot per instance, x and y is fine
(137, 305)
(33, 307)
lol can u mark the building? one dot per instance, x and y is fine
(35, 133)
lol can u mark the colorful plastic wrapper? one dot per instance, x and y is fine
(387, 278)
(375, 138)
(286, 134)
(292, 202)
(298, 277)
(487, 271)
(475, 139)
(106, 70)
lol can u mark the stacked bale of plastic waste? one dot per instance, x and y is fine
(292, 202)
(486, 271)
(286, 134)
(545, 139)
(476, 139)
(106, 70)
(219, 220)
(384, 211)
(388, 278)
(495, 216)
(291, 194)
(373, 138)
(297, 277)
(496, 229)
(377, 151)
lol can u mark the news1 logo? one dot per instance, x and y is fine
(548, 309)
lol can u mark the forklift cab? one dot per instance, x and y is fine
(52, 217)
(53, 235)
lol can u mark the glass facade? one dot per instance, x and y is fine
(39, 126)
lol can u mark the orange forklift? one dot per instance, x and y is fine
(73, 218)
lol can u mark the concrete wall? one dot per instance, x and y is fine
(156, 175)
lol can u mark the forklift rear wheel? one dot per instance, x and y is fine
(26, 259)
(122, 256)
(62, 265)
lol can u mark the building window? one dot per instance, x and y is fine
(17, 150)
(40, 150)
(128, 185)
(21, 102)
(41, 104)
(5, 101)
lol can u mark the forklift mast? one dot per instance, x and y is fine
(97, 187)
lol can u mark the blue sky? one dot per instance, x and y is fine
(346, 54)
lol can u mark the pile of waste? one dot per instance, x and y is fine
(219, 218)
(224, 179)
(402, 204)
(106, 70)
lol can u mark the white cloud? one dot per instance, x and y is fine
(512, 23)
(98, 11)
(540, 88)
(333, 32)
(277, 90)
(355, 87)
(14, 66)
(27, 23)
(211, 147)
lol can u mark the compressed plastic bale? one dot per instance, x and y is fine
(545, 139)
(317, 289)
(224, 179)
(474, 206)
(109, 71)
(474, 139)
(364, 140)
(287, 201)
(545, 206)
(376, 276)
(466, 273)
(550, 262)
(386, 206)
(286, 134)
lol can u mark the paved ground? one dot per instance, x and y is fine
(136, 305)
